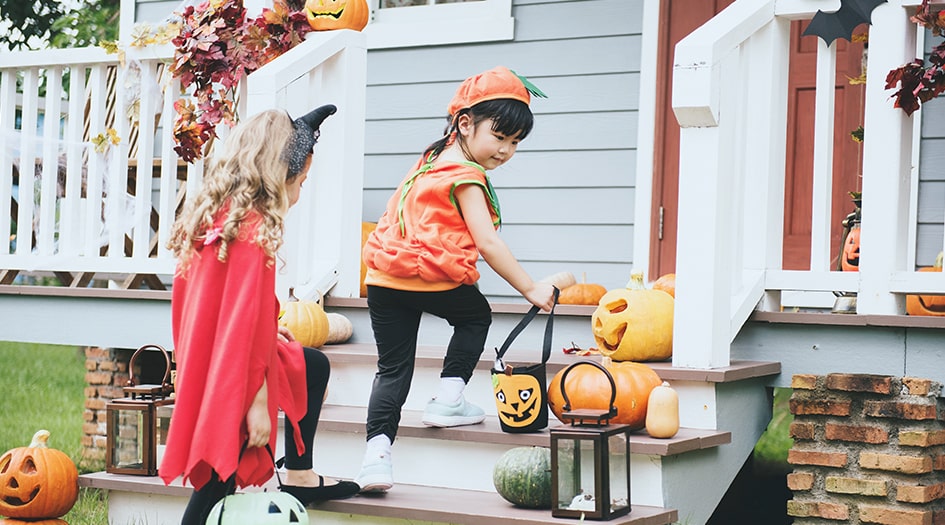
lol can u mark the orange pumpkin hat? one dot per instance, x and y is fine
(498, 82)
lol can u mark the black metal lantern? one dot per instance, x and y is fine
(132, 423)
(590, 460)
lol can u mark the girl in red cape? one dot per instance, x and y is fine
(235, 366)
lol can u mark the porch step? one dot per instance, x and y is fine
(348, 419)
(403, 504)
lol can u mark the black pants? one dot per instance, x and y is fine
(395, 319)
(317, 371)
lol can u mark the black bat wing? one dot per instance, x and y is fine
(852, 13)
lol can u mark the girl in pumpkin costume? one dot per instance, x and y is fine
(422, 258)
(235, 366)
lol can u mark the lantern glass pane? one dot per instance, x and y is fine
(128, 428)
(163, 426)
(576, 480)
(619, 466)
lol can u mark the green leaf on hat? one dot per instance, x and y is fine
(532, 88)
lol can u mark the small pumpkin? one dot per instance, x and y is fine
(522, 476)
(326, 15)
(37, 481)
(306, 320)
(560, 280)
(588, 388)
(41, 521)
(582, 293)
(667, 283)
(931, 305)
(634, 323)
(662, 412)
(850, 256)
(339, 328)
(366, 229)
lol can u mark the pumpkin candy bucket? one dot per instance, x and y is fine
(520, 390)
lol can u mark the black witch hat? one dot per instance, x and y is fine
(305, 136)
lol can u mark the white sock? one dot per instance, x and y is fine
(451, 390)
(378, 445)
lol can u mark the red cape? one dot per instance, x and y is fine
(225, 325)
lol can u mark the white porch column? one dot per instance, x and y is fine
(887, 156)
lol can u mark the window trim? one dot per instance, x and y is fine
(459, 23)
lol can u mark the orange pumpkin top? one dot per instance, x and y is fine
(422, 237)
(224, 324)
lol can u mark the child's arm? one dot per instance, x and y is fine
(495, 252)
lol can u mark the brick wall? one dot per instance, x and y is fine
(106, 371)
(867, 449)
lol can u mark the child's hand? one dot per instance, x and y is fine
(541, 295)
(258, 425)
(285, 335)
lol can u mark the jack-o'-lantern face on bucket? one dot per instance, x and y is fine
(518, 399)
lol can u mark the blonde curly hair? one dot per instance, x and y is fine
(248, 175)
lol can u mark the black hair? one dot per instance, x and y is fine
(510, 118)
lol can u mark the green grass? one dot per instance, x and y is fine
(43, 387)
(772, 448)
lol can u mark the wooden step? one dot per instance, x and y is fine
(431, 356)
(405, 502)
(351, 420)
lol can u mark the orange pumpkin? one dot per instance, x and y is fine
(589, 388)
(667, 283)
(50, 521)
(634, 324)
(582, 293)
(366, 229)
(326, 15)
(850, 257)
(932, 305)
(307, 321)
(37, 481)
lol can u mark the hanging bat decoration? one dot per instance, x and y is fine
(831, 26)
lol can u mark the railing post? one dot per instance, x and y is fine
(887, 157)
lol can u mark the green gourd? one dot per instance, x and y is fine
(522, 476)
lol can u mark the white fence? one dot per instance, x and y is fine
(75, 209)
(730, 98)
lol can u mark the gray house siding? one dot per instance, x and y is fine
(931, 195)
(567, 196)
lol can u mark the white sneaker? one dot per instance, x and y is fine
(377, 474)
(439, 414)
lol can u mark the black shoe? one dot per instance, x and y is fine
(309, 495)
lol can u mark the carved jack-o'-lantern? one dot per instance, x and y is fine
(325, 15)
(519, 399)
(850, 257)
(37, 481)
(933, 305)
(634, 324)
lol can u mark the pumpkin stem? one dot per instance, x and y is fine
(292, 296)
(938, 259)
(636, 281)
(40, 439)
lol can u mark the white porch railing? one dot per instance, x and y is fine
(730, 98)
(89, 212)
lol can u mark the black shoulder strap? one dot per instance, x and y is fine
(549, 326)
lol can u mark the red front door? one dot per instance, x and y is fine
(681, 17)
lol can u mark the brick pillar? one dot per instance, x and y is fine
(106, 371)
(867, 449)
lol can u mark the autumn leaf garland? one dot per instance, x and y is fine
(216, 48)
(917, 82)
